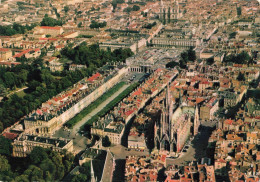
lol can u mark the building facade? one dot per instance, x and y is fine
(24, 144)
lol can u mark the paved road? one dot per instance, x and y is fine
(79, 141)
(121, 152)
(197, 149)
(16, 91)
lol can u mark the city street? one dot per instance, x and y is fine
(197, 148)
(121, 152)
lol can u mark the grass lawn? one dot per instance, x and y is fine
(113, 103)
(21, 93)
(94, 105)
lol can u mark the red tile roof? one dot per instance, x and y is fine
(9, 63)
(11, 136)
(3, 50)
(94, 77)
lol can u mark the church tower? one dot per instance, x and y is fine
(196, 120)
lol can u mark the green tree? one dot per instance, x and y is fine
(136, 8)
(183, 64)
(171, 64)
(22, 178)
(85, 169)
(34, 173)
(79, 178)
(241, 77)
(1, 125)
(9, 78)
(5, 146)
(57, 161)
(161, 175)
(164, 17)
(80, 24)
(37, 155)
(210, 61)
(3, 90)
(106, 142)
(66, 9)
(4, 165)
(48, 21)
(169, 15)
(128, 9)
(49, 168)
(191, 54)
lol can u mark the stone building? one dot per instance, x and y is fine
(109, 126)
(5, 54)
(208, 109)
(24, 144)
(53, 31)
(169, 11)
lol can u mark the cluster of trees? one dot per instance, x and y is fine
(41, 165)
(92, 56)
(172, 64)
(241, 58)
(149, 25)
(106, 142)
(43, 84)
(15, 29)
(232, 35)
(144, 14)
(48, 21)
(12, 78)
(134, 8)
(186, 56)
(210, 61)
(241, 77)
(115, 2)
(84, 173)
(95, 24)
(66, 9)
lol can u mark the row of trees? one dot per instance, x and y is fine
(95, 24)
(15, 29)
(134, 8)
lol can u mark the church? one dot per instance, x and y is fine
(177, 123)
(169, 10)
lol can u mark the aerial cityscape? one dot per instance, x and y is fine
(130, 90)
